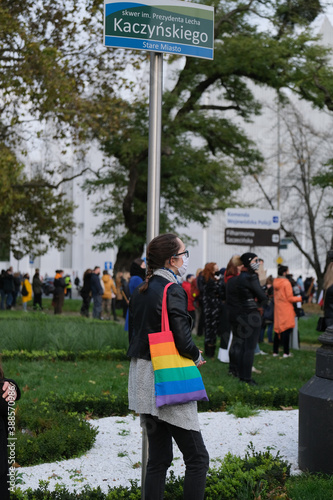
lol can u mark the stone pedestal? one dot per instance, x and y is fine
(315, 442)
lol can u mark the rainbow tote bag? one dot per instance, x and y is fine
(177, 379)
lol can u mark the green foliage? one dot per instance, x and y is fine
(241, 410)
(242, 478)
(114, 354)
(60, 493)
(49, 56)
(247, 478)
(292, 12)
(205, 151)
(263, 397)
(324, 179)
(97, 406)
(46, 435)
(310, 486)
(40, 332)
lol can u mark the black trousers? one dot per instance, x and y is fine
(85, 305)
(58, 302)
(285, 339)
(247, 336)
(37, 300)
(235, 349)
(194, 452)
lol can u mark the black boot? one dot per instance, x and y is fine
(209, 350)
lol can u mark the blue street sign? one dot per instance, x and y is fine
(107, 266)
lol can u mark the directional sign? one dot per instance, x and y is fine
(170, 26)
(107, 266)
(251, 237)
(253, 218)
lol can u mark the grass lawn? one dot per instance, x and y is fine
(41, 379)
(37, 332)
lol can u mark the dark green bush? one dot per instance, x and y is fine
(274, 397)
(98, 406)
(45, 435)
(252, 477)
(61, 355)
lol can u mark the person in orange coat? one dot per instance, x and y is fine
(284, 312)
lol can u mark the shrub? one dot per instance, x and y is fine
(242, 411)
(99, 406)
(274, 397)
(252, 477)
(46, 435)
(61, 355)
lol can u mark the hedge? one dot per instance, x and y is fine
(257, 475)
(45, 435)
(114, 354)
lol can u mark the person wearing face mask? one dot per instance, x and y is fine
(213, 293)
(250, 296)
(167, 260)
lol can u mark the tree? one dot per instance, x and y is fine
(50, 60)
(32, 216)
(305, 150)
(205, 152)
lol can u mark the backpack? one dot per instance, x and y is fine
(24, 290)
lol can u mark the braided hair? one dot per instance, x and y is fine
(159, 250)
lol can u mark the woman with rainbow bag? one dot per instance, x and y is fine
(164, 382)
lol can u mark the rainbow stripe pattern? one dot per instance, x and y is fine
(177, 379)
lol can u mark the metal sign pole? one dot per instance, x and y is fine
(154, 187)
(154, 148)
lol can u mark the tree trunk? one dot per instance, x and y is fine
(126, 254)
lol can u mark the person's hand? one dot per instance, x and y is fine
(9, 391)
(202, 361)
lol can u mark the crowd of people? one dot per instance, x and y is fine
(230, 307)
(235, 306)
(237, 303)
(16, 284)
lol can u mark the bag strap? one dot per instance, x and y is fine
(165, 327)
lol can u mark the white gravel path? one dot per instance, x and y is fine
(115, 458)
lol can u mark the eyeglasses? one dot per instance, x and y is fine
(181, 254)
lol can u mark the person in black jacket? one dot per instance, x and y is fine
(233, 269)
(10, 392)
(213, 293)
(9, 287)
(85, 293)
(37, 288)
(96, 292)
(166, 261)
(328, 295)
(59, 291)
(250, 296)
(2, 291)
